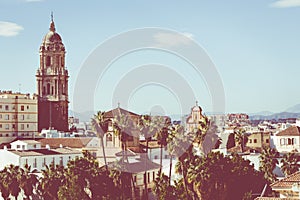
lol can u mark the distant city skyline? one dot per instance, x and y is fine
(254, 45)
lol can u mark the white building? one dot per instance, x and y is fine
(287, 140)
(30, 152)
(18, 116)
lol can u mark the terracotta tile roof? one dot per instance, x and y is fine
(287, 182)
(136, 166)
(118, 111)
(274, 198)
(151, 144)
(42, 152)
(291, 131)
(79, 142)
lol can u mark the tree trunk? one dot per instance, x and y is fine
(184, 181)
(160, 168)
(103, 151)
(170, 172)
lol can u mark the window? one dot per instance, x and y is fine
(155, 157)
(23, 147)
(282, 141)
(289, 141)
(0, 106)
(34, 146)
(53, 161)
(0, 116)
(22, 108)
(148, 177)
(134, 179)
(0, 125)
(294, 141)
(255, 141)
(27, 107)
(48, 61)
(267, 140)
(22, 126)
(109, 137)
(22, 117)
(35, 163)
(166, 156)
(13, 126)
(153, 175)
(6, 126)
(6, 117)
(44, 162)
(18, 146)
(6, 107)
(61, 161)
(250, 141)
(13, 107)
(27, 126)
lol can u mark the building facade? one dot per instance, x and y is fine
(195, 120)
(30, 152)
(52, 83)
(18, 116)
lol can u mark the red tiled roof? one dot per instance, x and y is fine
(79, 142)
(288, 181)
(274, 198)
(118, 111)
(291, 131)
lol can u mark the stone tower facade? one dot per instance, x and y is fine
(52, 83)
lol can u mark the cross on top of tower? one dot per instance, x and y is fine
(52, 26)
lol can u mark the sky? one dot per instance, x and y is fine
(254, 46)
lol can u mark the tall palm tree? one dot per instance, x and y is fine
(268, 162)
(178, 144)
(290, 163)
(100, 125)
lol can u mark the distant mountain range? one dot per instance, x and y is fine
(291, 112)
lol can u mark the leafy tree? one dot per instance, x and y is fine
(163, 189)
(268, 162)
(83, 178)
(290, 163)
(28, 181)
(13, 180)
(50, 182)
(4, 183)
(218, 177)
(211, 139)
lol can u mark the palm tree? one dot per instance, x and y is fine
(290, 163)
(179, 144)
(268, 162)
(28, 180)
(161, 137)
(240, 138)
(100, 125)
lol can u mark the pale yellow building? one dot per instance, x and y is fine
(18, 116)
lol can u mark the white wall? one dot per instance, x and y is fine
(8, 158)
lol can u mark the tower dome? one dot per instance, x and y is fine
(52, 40)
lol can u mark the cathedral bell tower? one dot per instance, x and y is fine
(52, 83)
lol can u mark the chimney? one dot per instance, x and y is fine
(5, 147)
(60, 146)
(48, 146)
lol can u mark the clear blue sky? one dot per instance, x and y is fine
(254, 45)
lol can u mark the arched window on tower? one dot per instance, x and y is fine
(44, 90)
(48, 61)
(62, 61)
(48, 88)
(52, 90)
